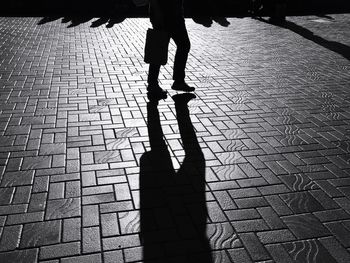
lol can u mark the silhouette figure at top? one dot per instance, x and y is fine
(169, 16)
(173, 209)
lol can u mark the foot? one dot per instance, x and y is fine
(154, 92)
(182, 86)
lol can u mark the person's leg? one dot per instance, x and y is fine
(183, 45)
(154, 91)
(153, 73)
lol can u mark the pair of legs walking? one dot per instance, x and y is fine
(179, 34)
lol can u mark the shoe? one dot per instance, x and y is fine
(182, 86)
(156, 93)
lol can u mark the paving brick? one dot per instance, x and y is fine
(17, 178)
(90, 215)
(276, 168)
(63, 208)
(228, 172)
(94, 258)
(130, 222)
(25, 255)
(25, 218)
(120, 242)
(332, 215)
(324, 199)
(13, 209)
(91, 239)
(242, 214)
(223, 185)
(30, 163)
(88, 178)
(116, 207)
(41, 184)
(109, 224)
(255, 248)
(249, 225)
(56, 191)
(113, 256)
(251, 182)
(222, 235)
(98, 199)
(52, 149)
(340, 232)
(51, 171)
(71, 229)
(305, 226)
(279, 254)
(329, 189)
(270, 217)
(72, 166)
(303, 250)
(273, 189)
(214, 212)
(275, 236)
(39, 234)
(64, 177)
(133, 254)
(6, 195)
(60, 250)
(301, 202)
(10, 237)
(251, 202)
(72, 189)
(337, 251)
(243, 193)
(239, 255)
(224, 200)
(58, 160)
(255, 162)
(344, 203)
(98, 190)
(122, 192)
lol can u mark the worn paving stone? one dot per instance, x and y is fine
(305, 226)
(307, 250)
(63, 208)
(301, 202)
(39, 234)
(255, 167)
(20, 256)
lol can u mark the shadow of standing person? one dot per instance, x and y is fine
(171, 230)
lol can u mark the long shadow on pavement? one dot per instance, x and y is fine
(172, 204)
(334, 46)
(76, 20)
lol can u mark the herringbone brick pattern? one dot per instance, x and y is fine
(272, 120)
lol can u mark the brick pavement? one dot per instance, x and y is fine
(265, 177)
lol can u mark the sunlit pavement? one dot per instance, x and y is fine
(271, 117)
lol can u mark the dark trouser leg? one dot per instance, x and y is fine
(153, 74)
(180, 37)
(153, 71)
